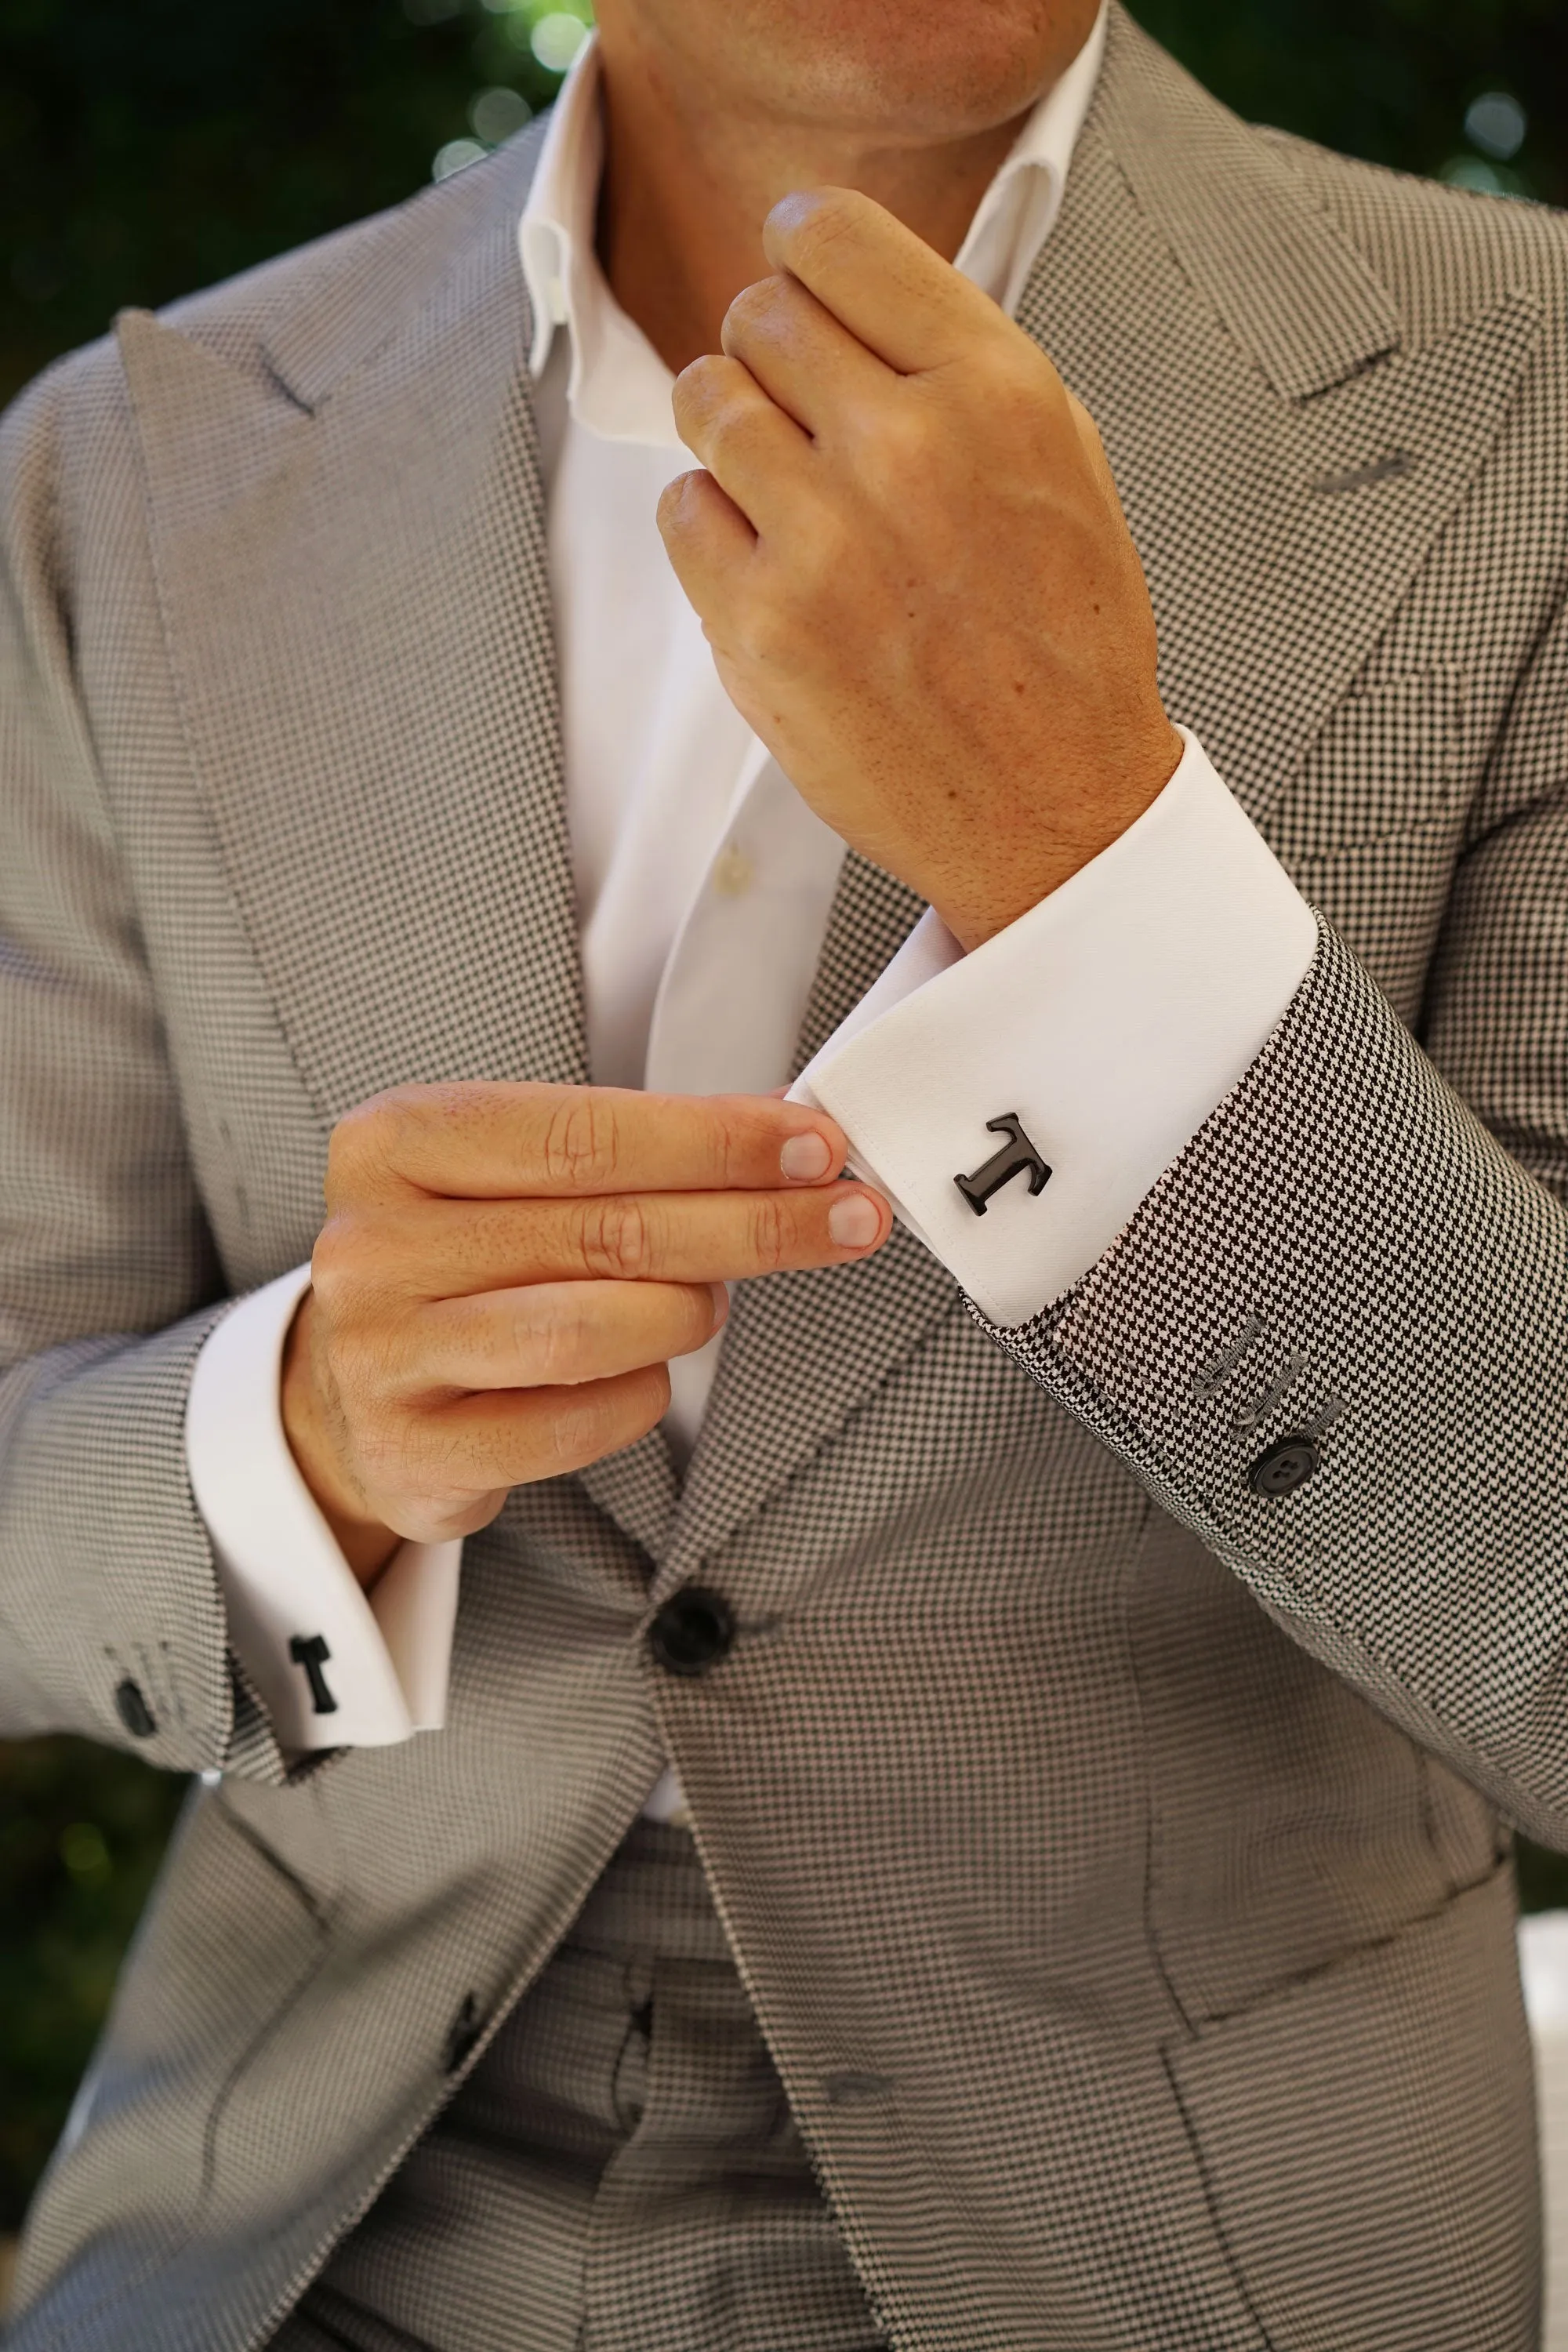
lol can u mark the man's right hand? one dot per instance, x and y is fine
(506, 1270)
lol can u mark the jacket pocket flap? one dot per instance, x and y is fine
(1368, 2138)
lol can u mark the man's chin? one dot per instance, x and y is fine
(892, 71)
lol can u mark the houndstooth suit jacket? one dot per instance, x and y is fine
(1115, 1857)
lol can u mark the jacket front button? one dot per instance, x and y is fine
(692, 1631)
(1287, 1465)
(131, 1705)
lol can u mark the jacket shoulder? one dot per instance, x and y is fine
(1447, 254)
(340, 286)
(367, 275)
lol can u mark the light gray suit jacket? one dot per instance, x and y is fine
(1114, 1855)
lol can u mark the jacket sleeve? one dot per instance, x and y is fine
(1364, 1251)
(110, 1619)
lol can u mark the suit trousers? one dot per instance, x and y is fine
(619, 2173)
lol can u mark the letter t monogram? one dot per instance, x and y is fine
(1016, 1156)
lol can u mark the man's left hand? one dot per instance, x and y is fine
(908, 554)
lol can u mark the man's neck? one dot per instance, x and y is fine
(686, 190)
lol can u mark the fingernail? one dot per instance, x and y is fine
(721, 1304)
(854, 1222)
(805, 1158)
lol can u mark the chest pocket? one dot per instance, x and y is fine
(1370, 828)
(1390, 759)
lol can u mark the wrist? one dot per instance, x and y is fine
(977, 902)
(364, 1541)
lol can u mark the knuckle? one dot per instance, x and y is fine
(334, 1260)
(382, 1450)
(550, 1331)
(824, 219)
(701, 390)
(364, 1364)
(669, 508)
(770, 1234)
(702, 1315)
(581, 1146)
(379, 1139)
(894, 449)
(653, 1395)
(828, 550)
(737, 1143)
(578, 1431)
(356, 1144)
(616, 1239)
(757, 308)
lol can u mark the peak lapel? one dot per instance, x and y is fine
(349, 537)
(1285, 464)
(357, 611)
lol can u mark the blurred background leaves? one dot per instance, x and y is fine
(147, 149)
(81, 1831)
(150, 146)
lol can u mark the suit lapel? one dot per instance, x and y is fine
(349, 537)
(357, 610)
(350, 543)
(802, 1350)
(1285, 464)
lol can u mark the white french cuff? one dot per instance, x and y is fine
(1110, 1022)
(334, 1667)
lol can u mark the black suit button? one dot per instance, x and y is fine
(131, 1705)
(692, 1631)
(1288, 1463)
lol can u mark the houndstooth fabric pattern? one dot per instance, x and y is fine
(1114, 1859)
(628, 2127)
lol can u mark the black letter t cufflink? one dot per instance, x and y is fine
(1016, 1156)
(311, 1651)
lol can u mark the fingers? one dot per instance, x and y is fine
(754, 452)
(894, 294)
(708, 542)
(562, 1334)
(499, 1141)
(800, 354)
(1093, 450)
(454, 1249)
(490, 1442)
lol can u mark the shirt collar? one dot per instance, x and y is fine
(1019, 209)
(617, 378)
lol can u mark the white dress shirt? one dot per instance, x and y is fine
(1111, 1018)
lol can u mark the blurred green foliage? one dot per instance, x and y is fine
(81, 1836)
(1390, 80)
(151, 148)
(147, 149)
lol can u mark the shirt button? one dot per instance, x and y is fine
(734, 872)
(692, 1631)
(131, 1705)
(1287, 1465)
